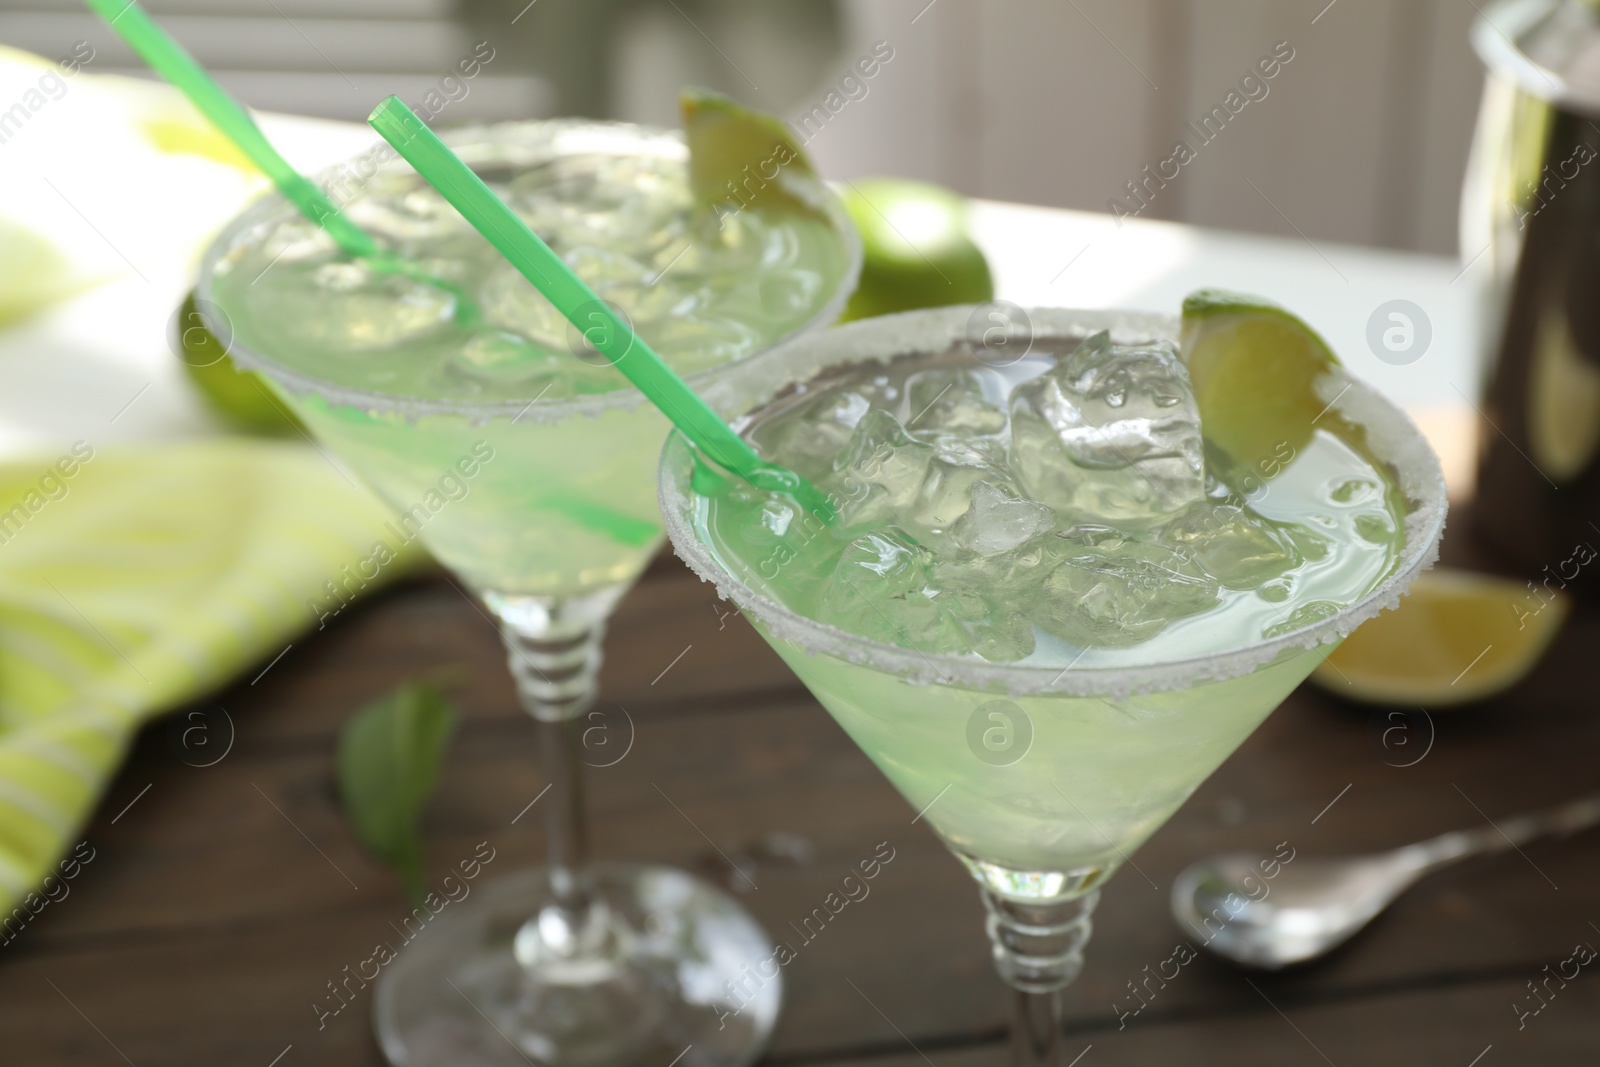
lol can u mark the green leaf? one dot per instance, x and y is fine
(389, 756)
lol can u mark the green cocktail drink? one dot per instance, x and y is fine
(523, 460)
(381, 367)
(948, 548)
(1050, 607)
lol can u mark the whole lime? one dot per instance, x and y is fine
(915, 247)
(238, 396)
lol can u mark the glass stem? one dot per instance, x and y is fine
(565, 825)
(1038, 950)
(1036, 1039)
(553, 646)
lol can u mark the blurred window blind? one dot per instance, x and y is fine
(330, 58)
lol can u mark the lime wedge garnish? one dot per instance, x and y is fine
(738, 155)
(1456, 637)
(1253, 366)
(916, 252)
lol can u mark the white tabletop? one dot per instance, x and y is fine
(99, 368)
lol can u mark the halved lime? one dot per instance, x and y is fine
(1253, 366)
(1456, 637)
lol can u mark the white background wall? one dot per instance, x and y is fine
(1362, 137)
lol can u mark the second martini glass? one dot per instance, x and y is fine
(544, 507)
(1041, 777)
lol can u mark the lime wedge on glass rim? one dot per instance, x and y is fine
(737, 155)
(916, 252)
(1253, 367)
(1457, 636)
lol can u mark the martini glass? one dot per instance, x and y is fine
(545, 509)
(1041, 779)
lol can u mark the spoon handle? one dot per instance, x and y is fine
(1508, 833)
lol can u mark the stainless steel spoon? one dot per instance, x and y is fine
(1260, 911)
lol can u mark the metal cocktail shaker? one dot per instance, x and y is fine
(1531, 208)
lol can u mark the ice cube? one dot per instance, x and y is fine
(359, 309)
(806, 440)
(509, 301)
(417, 215)
(808, 437)
(786, 295)
(296, 242)
(879, 473)
(694, 344)
(1111, 591)
(1233, 545)
(882, 589)
(1307, 614)
(645, 303)
(1002, 574)
(955, 401)
(496, 356)
(701, 252)
(1004, 636)
(1111, 432)
(602, 268)
(997, 520)
(987, 452)
(947, 490)
(583, 196)
(777, 516)
(996, 631)
(984, 592)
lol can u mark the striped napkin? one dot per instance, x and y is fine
(135, 579)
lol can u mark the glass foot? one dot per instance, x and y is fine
(666, 970)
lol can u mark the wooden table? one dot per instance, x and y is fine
(221, 899)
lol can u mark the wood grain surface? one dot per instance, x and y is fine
(221, 898)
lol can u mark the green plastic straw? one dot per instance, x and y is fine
(169, 59)
(594, 318)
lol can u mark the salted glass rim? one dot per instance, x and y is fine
(522, 142)
(1392, 436)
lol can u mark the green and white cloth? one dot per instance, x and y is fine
(134, 579)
